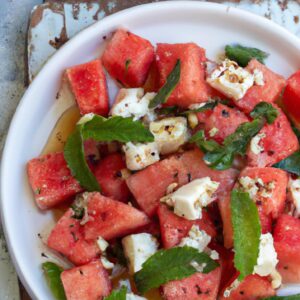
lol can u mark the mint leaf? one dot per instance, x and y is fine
(290, 164)
(205, 145)
(117, 294)
(100, 129)
(167, 110)
(74, 156)
(266, 110)
(246, 232)
(296, 131)
(167, 89)
(171, 264)
(52, 273)
(291, 297)
(116, 129)
(207, 106)
(242, 55)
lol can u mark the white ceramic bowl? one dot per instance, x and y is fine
(210, 25)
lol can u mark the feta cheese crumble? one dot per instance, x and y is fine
(294, 194)
(132, 103)
(139, 156)
(193, 120)
(131, 296)
(106, 263)
(102, 244)
(85, 118)
(267, 260)
(138, 248)
(213, 132)
(254, 144)
(258, 77)
(256, 187)
(189, 199)
(231, 79)
(169, 133)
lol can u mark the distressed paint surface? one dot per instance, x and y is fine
(55, 22)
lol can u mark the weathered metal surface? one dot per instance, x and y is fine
(51, 24)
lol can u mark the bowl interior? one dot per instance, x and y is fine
(210, 25)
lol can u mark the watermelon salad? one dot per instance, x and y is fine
(186, 187)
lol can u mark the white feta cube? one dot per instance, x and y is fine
(189, 199)
(267, 259)
(169, 133)
(102, 243)
(258, 77)
(138, 248)
(255, 146)
(106, 263)
(231, 80)
(139, 156)
(132, 103)
(294, 194)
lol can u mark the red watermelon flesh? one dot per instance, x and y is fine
(192, 86)
(109, 175)
(253, 287)
(128, 58)
(88, 83)
(287, 245)
(87, 282)
(67, 237)
(225, 120)
(109, 218)
(291, 97)
(269, 92)
(279, 143)
(51, 180)
(174, 228)
(196, 287)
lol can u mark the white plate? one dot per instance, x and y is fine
(210, 25)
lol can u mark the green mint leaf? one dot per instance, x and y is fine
(166, 90)
(116, 129)
(171, 264)
(78, 212)
(167, 110)
(290, 164)
(117, 294)
(100, 129)
(207, 106)
(242, 55)
(296, 131)
(74, 156)
(265, 110)
(291, 297)
(52, 273)
(127, 63)
(205, 145)
(246, 232)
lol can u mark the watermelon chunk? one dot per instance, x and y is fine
(223, 122)
(109, 175)
(174, 228)
(291, 98)
(67, 237)
(88, 83)
(287, 246)
(192, 87)
(110, 219)
(128, 58)
(87, 282)
(279, 142)
(196, 287)
(253, 287)
(51, 180)
(179, 168)
(269, 92)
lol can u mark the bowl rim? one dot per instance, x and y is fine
(108, 21)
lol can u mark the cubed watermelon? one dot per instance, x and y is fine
(174, 228)
(51, 180)
(67, 237)
(192, 87)
(253, 287)
(279, 142)
(87, 282)
(88, 83)
(196, 287)
(291, 98)
(128, 58)
(223, 122)
(269, 92)
(287, 245)
(109, 218)
(111, 178)
(179, 168)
